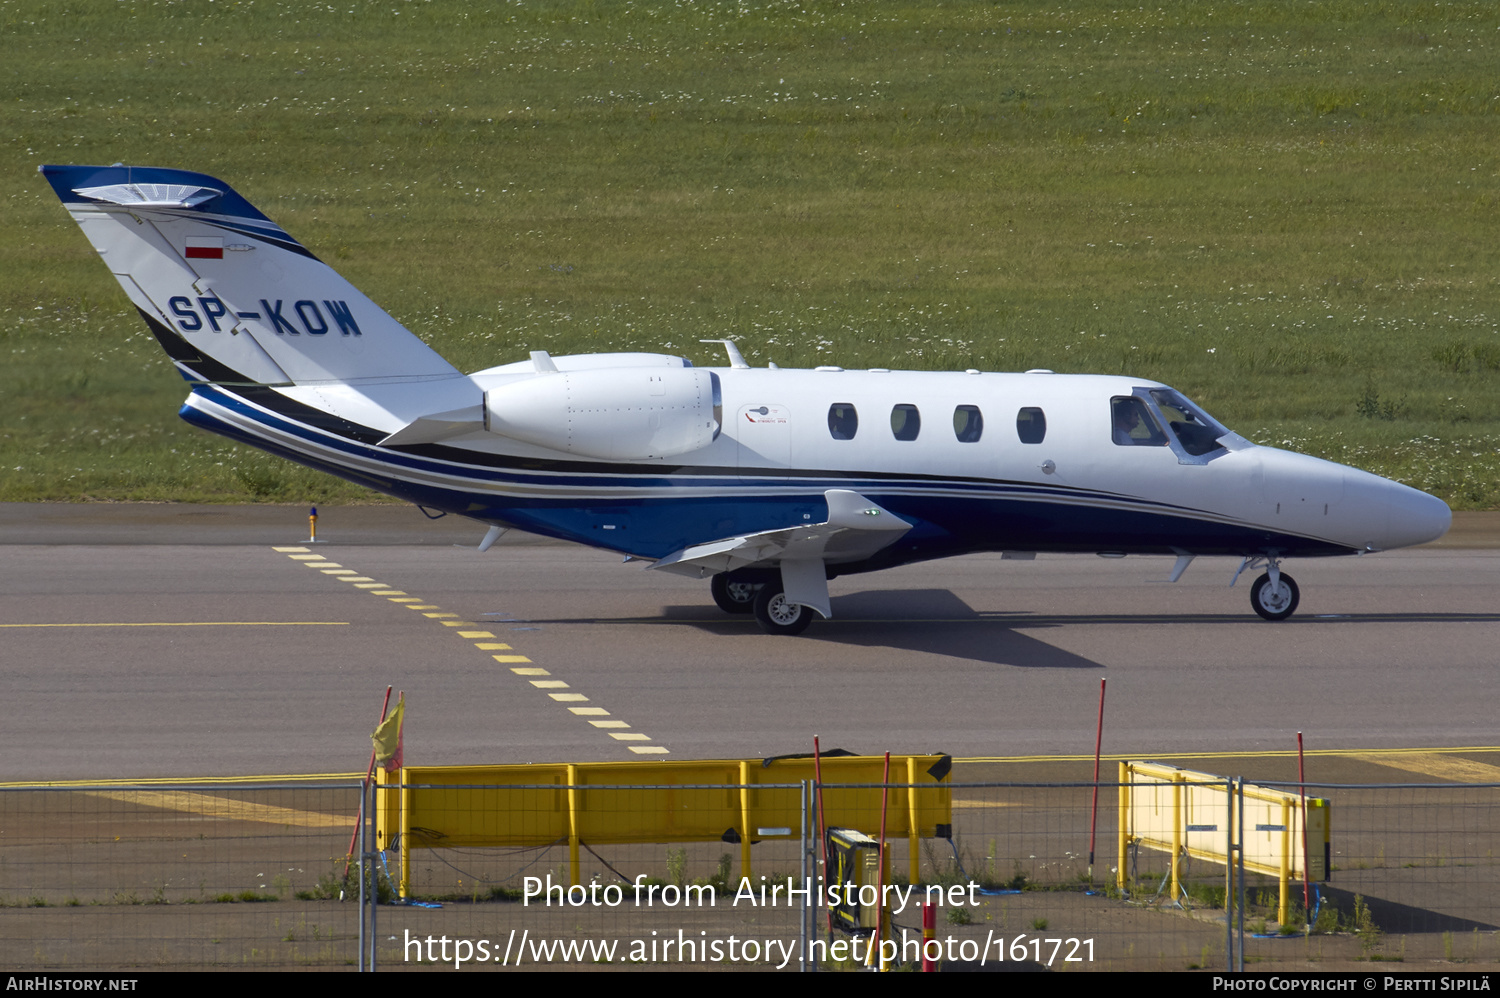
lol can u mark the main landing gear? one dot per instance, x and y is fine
(1275, 594)
(776, 615)
(767, 600)
(733, 597)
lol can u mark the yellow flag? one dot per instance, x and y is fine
(387, 737)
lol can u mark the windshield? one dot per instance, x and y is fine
(1196, 430)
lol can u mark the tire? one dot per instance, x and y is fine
(1275, 604)
(733, 597)
(777, 616)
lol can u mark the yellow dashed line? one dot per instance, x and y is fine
(204, 623)
(433, 612)
(223, 807)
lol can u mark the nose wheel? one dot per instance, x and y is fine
(1275, 599)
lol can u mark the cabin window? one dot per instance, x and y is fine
(1031, 425)
(843, 421)
(1133, 424)
(906, 422)
(1194, 428)
(968, 424)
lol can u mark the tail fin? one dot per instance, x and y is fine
(229, 294)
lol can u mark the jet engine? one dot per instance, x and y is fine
(619, 414)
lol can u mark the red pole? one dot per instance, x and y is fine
(885, 794)
(1094, 816)
(369, 771)
(1302, 787)
(929, 931)
(822, 826)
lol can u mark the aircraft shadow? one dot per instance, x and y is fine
(1392, 916)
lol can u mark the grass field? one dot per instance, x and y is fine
(1283, 209)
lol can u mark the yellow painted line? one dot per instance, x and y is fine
(417, 605)
(306, 557)
(204, 623)
(369, 585)
(388, 592)
(491, 645)
(629, 736)
(589, 711)
(569, 697)
(339, 571)
(649, 750)
(609, 724)
(510, 658)
(361, 578)
(1432, 764)
(549, 684)
(475, 634)
(454, 623)
(210, 806)
(200, 780)
(1246, 754)
(289, 550)
(403, 598)
(322, 564)
(531, 672)
(436, 616)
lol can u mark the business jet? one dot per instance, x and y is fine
(767, 482)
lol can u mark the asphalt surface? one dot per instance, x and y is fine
(155, 641)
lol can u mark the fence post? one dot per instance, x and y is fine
(574, 875)
(913, 838)
(745, 832)
(1121, 877)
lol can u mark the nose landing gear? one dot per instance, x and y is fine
(1275, 594)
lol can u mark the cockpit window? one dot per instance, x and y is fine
(1195, 429)
(968, 424)
(1134, 426)
(843, 421)
(1031, 425)
(906, 422)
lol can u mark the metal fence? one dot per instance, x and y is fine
(251, 876)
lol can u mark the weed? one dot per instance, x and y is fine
(1364, 925)
(960, 916)
(1039, 925)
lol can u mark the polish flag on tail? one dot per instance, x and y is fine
(205, 248)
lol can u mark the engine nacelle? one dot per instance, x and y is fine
(619, 414)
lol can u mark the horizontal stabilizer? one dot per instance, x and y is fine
(855, 529)
(438, 426)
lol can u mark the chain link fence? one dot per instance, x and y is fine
(253, 876)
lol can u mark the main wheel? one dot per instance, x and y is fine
(1275, 602)
(733, 597)
(778, 616)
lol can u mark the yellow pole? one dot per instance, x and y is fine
(913, 836)
(1177, 825)
(405, 837)
(745, 819)
(574, 874)
(1286, 859)
(1124, 820)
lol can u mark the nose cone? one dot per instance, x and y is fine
(1409, 516)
